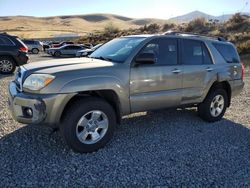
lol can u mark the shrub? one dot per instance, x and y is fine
(238, 23)
(110, 29)
(168, 26)
(198, 25)
(244, 47)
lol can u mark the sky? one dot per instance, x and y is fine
(162, 9)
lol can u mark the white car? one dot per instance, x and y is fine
(86, 52)
(69, 50)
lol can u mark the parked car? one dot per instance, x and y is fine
(88, 45)
(13, 53)
(34, 46)
(65, 50)
(47, 45)
(85, 98)
(87, 52)
(61, 44)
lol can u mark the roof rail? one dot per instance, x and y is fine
(177, 33)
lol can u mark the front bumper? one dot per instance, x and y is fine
(22, 58)
(46, 108)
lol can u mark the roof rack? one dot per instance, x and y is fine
(177, 33)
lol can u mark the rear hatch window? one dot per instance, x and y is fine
(228, 52)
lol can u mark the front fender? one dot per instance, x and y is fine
(94, 83)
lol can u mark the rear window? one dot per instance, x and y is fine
(28, 42)
(228, 52)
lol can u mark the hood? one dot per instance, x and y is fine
(66, 64)
(85, 50)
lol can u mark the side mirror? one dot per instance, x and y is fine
(145, 58)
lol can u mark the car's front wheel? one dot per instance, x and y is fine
(7, 65)
(57, 54)
(88, 124)
(214, 106)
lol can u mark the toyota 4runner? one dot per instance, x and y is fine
(86, 97)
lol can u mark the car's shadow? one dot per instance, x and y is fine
(2, 76)
(157, 146)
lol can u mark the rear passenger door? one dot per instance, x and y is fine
(76, 49)
(157, 85)
(198, 69)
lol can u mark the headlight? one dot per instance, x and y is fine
(37, 81)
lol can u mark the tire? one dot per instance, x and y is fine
(75, 128)
(214, 106)
(7, 65)
(57, 54)
(35, 51)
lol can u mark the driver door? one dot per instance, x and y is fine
(157, 85)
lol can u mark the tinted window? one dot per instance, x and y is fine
(5, 41)
(191, 52)
(228, 52)
(165, 51)
(28, 42)
(206, 55)
(76, 47)
(194, 53)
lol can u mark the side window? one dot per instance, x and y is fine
(77, 47)
(4, 41)
(67, 48)
(194, 53)
(165, 50)
(191, 52)
(228, 52)
(206, 55)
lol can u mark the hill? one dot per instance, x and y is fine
(80, 25)
(40, 27)
(197, 14)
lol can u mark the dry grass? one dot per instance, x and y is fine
(34, 27)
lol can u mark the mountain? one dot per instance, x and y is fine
(197, 14)
(190, 16)
(43, 27)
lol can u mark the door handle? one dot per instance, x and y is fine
(176, 71)
(209, 69)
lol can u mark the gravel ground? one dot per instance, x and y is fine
(167, 148)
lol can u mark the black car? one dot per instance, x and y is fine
(13, 53)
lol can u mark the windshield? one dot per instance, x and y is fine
(117, 50)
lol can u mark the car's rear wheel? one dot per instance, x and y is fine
(7, 65)
(88, 124)
(35, 51)
(214, 106)
(57, 54)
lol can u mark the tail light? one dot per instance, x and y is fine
(23, 49)
(242, 71)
